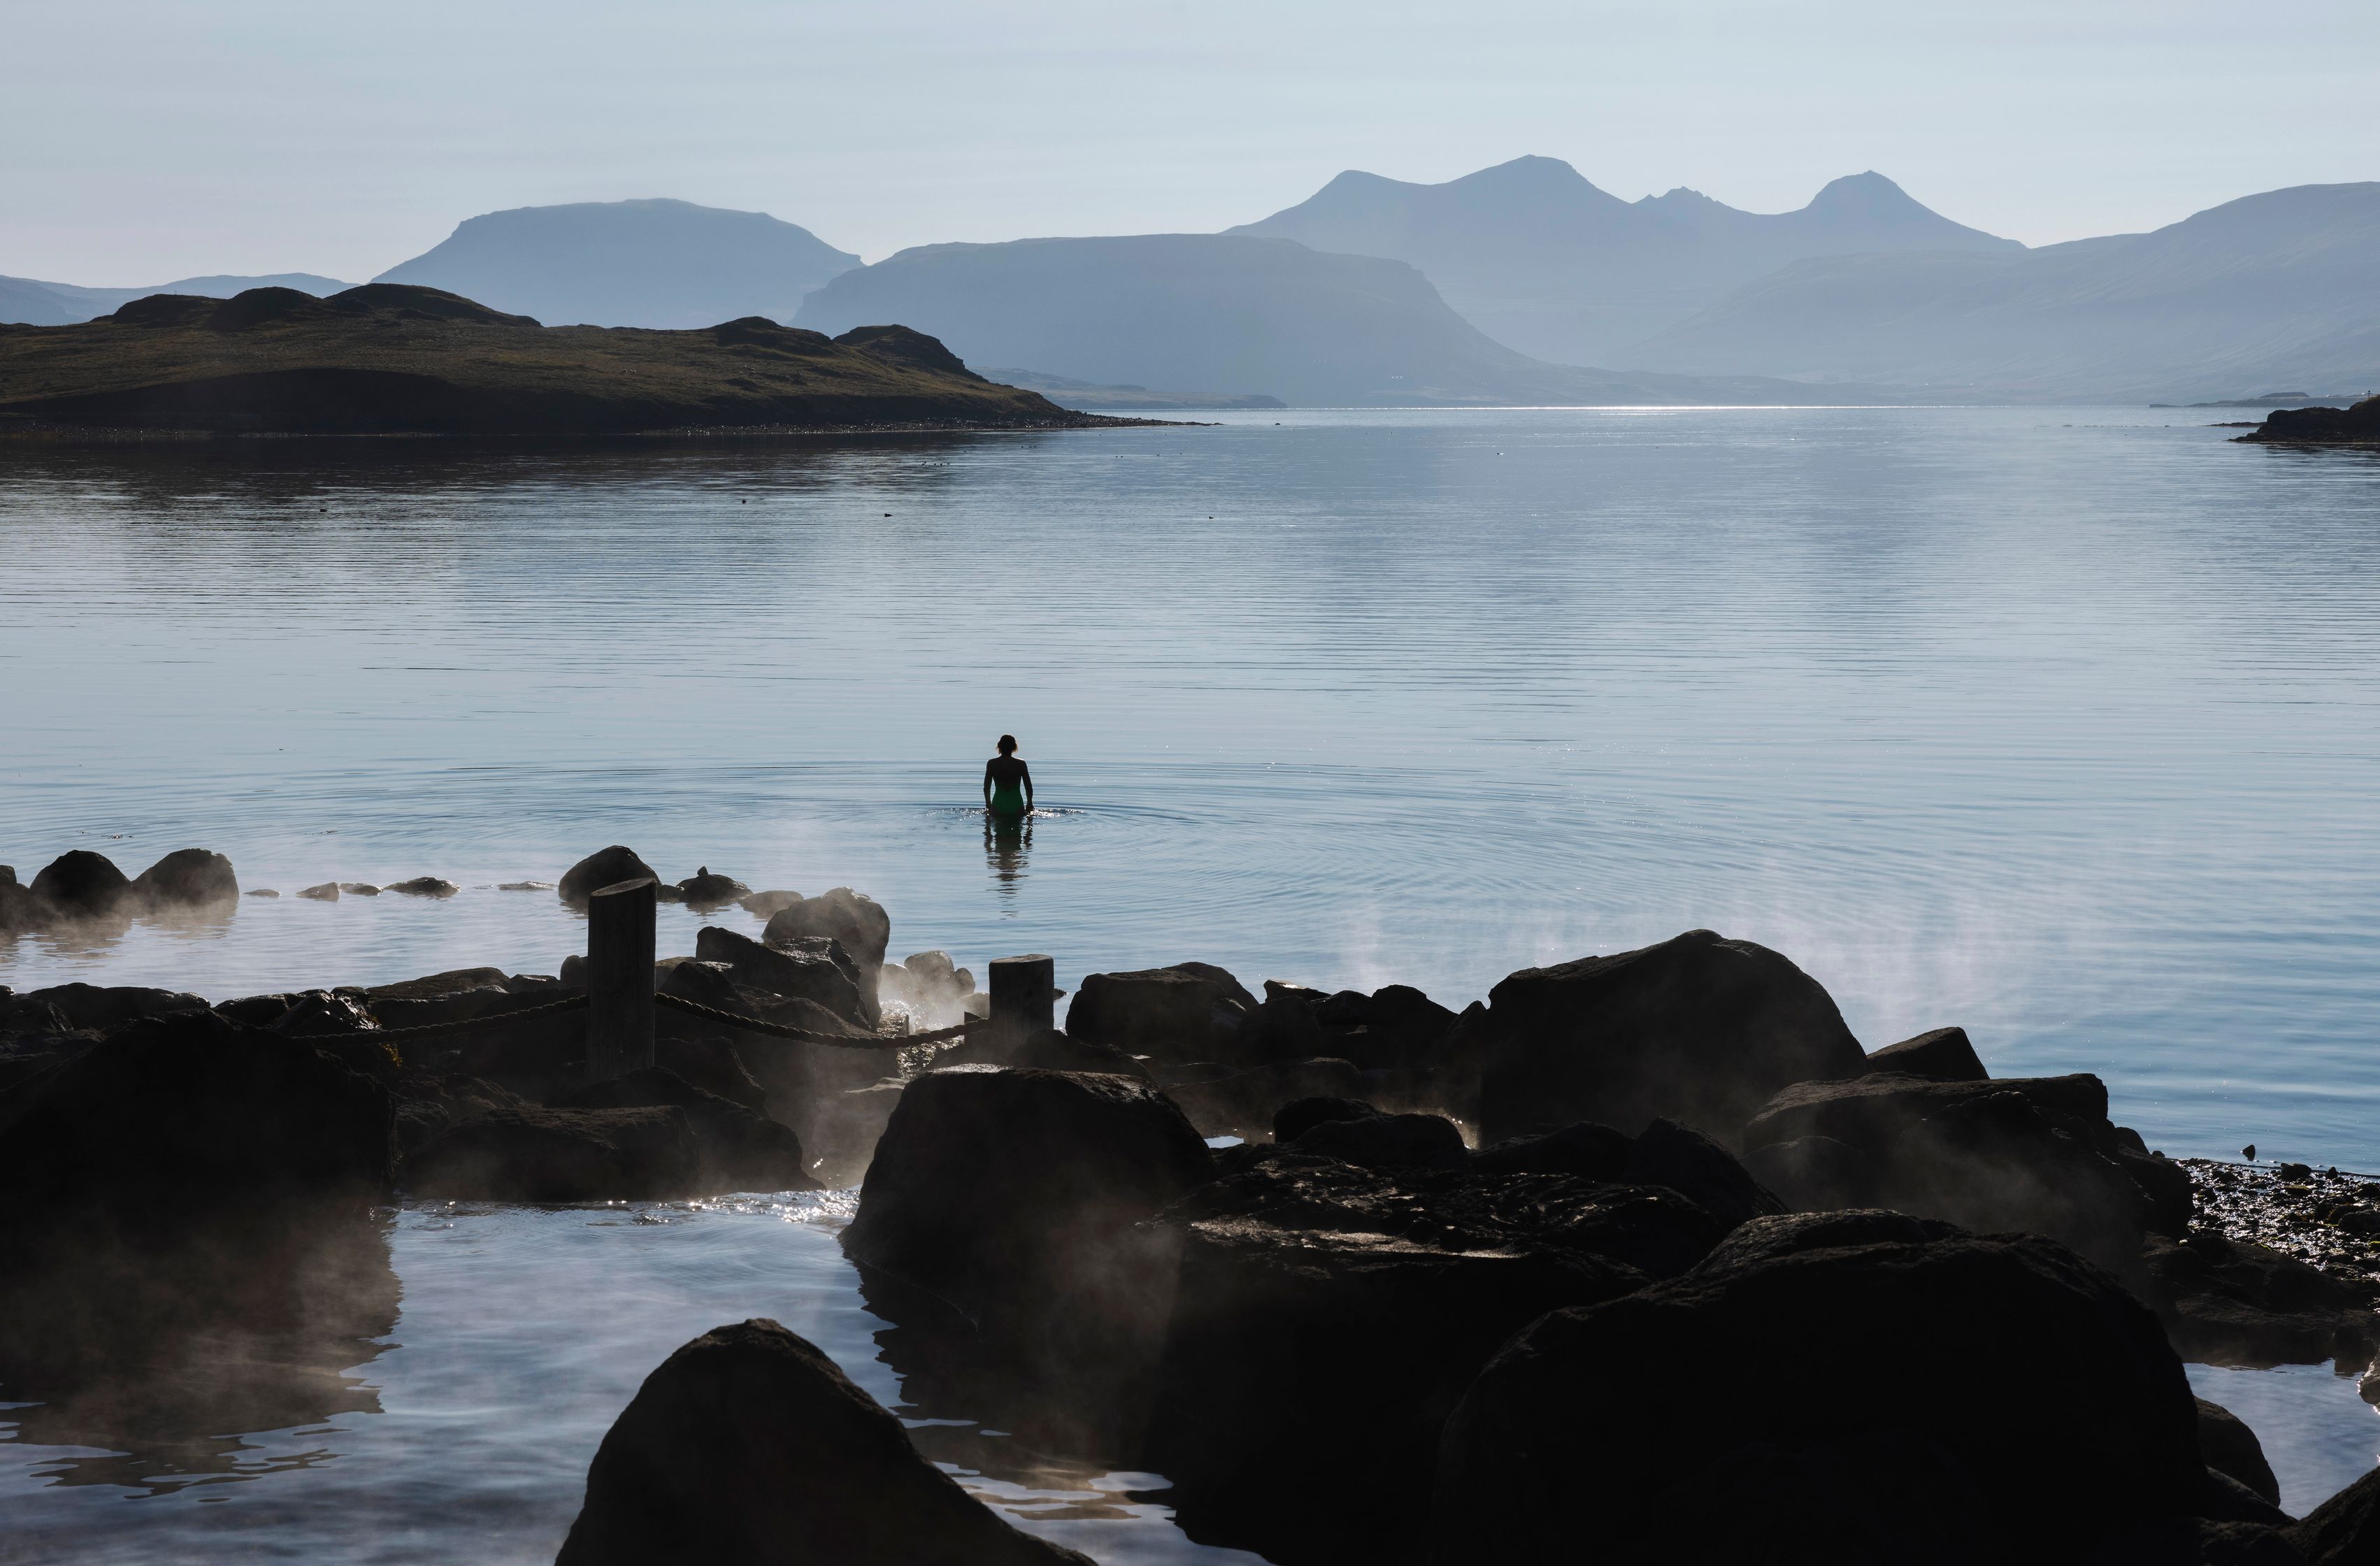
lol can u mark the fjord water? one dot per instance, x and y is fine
(2060, 725)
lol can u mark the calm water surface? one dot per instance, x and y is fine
(2060, 724)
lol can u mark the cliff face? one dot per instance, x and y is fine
(389, 357)
(2356, 425)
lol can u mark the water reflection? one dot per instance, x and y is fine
(143, 1356)
(1006, 841)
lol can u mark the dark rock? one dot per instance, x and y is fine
(358, 889)
(1224, 1103)
(2229, 1447)
(1588, 1150)
(429, 1104)
(79, 884)
(1047, 1050)
(1295, 1120)
(1394, 1028)
(104, 1007)
(1378, 1140)
(1815, 1173)
(2232, 1302)
(21, 911)
(1327, 1316)
(2172, 1201)
(764, 905)
(1170, 1014)
(1944, 1055)
(27, 1014)
(703, 891)
(188, 1113)
(855, 922)
(424, 886)
(2024, 1153)
(1869, 1501)
(739, 1148)
(1284, 1027)
(187, 878)
(2195, 1541)
(2073, 1415)
(326, 892)
(810, 968)
(1690, 1163)
(261, 891)
(749, 1447)
(1698, 1029)
(544, 1155)
(2344, 1530)
(606, 867)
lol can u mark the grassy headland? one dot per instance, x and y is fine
(390, 358)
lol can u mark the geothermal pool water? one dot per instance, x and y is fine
(2058, 723)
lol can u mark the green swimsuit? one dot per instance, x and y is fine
(1008, 801)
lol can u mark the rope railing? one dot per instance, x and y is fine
(675, 1002)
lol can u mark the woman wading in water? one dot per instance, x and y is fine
(1007, 785)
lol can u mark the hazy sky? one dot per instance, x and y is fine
(145, 139)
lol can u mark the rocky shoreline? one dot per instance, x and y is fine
(1644, 1256)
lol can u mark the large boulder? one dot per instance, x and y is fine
(2035, 1154)
(1393, 1029)
(2232, 1448)
(79, 884)
(1698, 1029)
(1328, 1316)
(1690, 1163)
(814, 968)
(1945, 1054)
(749, 1447)
(1014, 1205)
(2065, 1413)
(606, 867)
(1380, 1140)
(1188, 1012)
(187, 878)
(190, 1114)
(857, 922)
(531, 1154)
(2344, 1530)
(738, 1149)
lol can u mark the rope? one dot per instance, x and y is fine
(677, 1002)
(779, 1030)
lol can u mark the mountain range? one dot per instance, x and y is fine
(657, 264)
(32, 303)
(1546, 264)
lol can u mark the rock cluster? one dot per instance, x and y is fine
(81, 887)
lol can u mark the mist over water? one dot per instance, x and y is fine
(2058, 725)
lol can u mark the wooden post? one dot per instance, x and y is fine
(1024, 999)
(620, 978)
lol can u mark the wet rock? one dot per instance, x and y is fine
(1815, 1173)
(2229, 1447)
(1170, 1014)
(358, 889)
(187, 878)
(2344, 1530)
(1221, 1102)
(1944, 1055)
(1698, 1029)
(2073, 1415)
(1394, 1028)
(749, 1447)
(547, 1155)
(1046, 1049)
(2195, 1541)
(739, 1148)
(326, 892)
(424, 886)
(431, 1103)
(79, 884)
(2035, 1154)
(2172, 1200)
(188, 1113)
(104, 1007)
(1327, 1317)
(856, 922)
(703, 891)
(1376, 1140)
(1295, 1119)
(764, 905)
(1691, 1164)
(811, 968)
(2231, 1302)
(259, 891)
(525, 886)
(1588, 1150)
(604, 867)
(21, 911)
(24, 1013)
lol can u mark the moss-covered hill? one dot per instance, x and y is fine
(389, 357)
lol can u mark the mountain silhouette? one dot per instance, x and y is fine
(657, 262)
(1214, 314)
(26, 301)
(2276, 289)
(1542, 261)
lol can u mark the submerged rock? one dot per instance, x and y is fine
(79, 884)
(187, 878)
(749, 1447)
(326, 892)
(424, 886)
(1698, 1029)
(703, 890)
(2072, 1416)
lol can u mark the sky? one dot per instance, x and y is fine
(143, 140)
